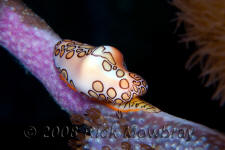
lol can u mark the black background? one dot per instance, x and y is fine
(145, 33)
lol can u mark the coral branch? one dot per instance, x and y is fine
(29, 39)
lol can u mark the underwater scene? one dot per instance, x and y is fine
(112, 75)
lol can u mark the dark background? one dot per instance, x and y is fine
(145, 33)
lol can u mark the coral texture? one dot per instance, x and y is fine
(32, 42)
(205, 26)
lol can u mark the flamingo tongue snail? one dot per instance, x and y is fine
(99, 73)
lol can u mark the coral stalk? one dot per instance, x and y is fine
(31, 41)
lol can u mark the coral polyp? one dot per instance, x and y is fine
(205, 26)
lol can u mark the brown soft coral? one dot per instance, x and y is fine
(205, 25)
